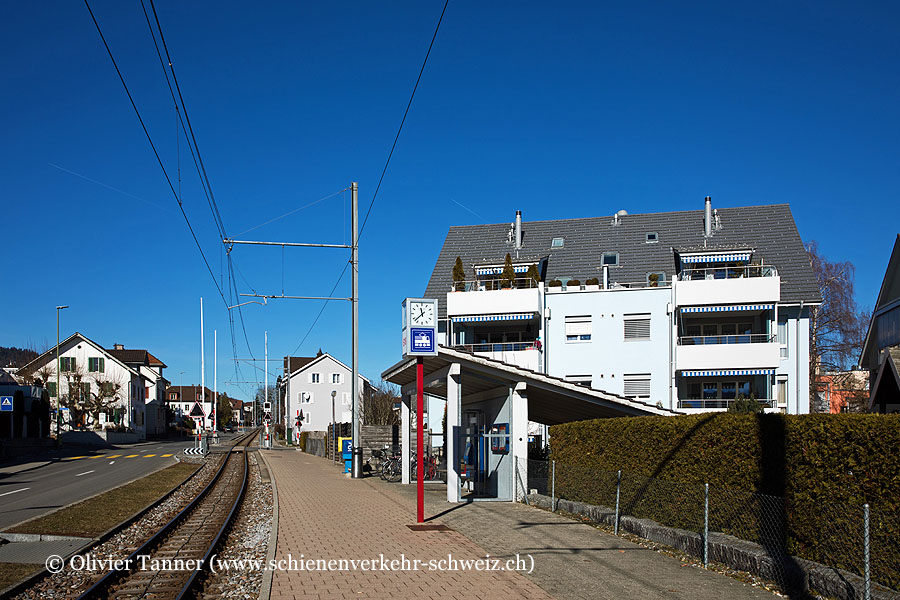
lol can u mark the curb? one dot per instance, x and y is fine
(266, 587)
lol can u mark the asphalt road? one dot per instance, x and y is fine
(72, 478)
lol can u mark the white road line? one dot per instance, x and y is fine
(14, 492)
(85, 473)
(112, 462)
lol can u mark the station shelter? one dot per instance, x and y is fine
(489, 405)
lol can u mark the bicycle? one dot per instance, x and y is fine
(391, 469)
(430, 468)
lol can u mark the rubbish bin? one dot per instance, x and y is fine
(346, 452)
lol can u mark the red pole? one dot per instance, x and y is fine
(420, 463)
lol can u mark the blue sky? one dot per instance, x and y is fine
(563, 110)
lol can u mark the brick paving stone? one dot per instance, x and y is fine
(325, 516)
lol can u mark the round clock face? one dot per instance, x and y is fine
(421, 313)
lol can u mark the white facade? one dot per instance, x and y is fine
(310, 388)
(691, 345)
(86, 362)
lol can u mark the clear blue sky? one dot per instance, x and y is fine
(562, 110)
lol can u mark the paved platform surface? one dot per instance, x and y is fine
(37, 552)
(324, 515)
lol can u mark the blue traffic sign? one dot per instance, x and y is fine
(6, 403)
(422, 340)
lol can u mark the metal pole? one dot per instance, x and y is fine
(58, 388)
(202, 364)
(266, 384)
(420, 442)
(333, 433)
(867, 591)
(705, 524)
(553, 486)
(356, 471)
(215, 382)
(618, 490)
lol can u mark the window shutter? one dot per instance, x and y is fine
(578, 325)
(637, 386)
(102, 365)
(637, 328)
(72, 364)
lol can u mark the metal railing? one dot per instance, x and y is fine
(718, 402)
(493, 283)
(741, 338)
(496, 347)
(695, 273)
(857, 539)
(613, 285)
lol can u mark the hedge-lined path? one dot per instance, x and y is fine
(322, 514)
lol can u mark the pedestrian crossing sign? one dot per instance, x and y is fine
(6, 403)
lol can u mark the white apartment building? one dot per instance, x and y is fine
(318, 389)
(690, 310)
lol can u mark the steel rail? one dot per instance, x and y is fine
(100, 588)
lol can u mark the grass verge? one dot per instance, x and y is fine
(96, 515)
(11, 573)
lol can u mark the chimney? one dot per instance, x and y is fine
(707, 218)
(518, 230)
(118, 347)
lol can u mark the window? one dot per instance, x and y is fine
(107, 389)
(345, 399)
(557, 242)
(887, 327)
(96, 365)
(173, 396)
(314, 378)
(335, 378)
(781, 390)
(610, 259)
(637, 327)
(782, 339)
(578, 328)
(652, 237)
(67, 364)
(306, 397)
(51, 388)
(638, 385)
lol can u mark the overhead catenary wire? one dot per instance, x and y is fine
(155, 152)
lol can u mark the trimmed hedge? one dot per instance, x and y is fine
(792, 482)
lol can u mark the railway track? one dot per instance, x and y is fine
(168, 565)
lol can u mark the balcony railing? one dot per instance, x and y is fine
(691, 274)
(483, 285)
(495, 347)
(707, 403)
(744, 338)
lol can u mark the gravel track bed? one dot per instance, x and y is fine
(247, 540)
(69, 583)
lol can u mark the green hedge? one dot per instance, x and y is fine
(814, 473)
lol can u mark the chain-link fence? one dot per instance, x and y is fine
(841, 550)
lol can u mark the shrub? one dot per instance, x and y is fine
(745, 406)
(592, 281)
(508, 276)
(533, 274)
(459, 275)
(555, 283)
(573, 283)
(303, 436)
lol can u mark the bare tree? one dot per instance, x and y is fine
(837, 328)
(107, 392)
(378, 404)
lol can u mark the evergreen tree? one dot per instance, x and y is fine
(459, 275)
(508, 276)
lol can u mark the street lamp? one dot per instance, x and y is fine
(58, 389)
(333, 430)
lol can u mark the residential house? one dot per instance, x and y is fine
(88, 371)
(689, 310)
(186, 401)
(881, 352)
(154, 388)
(318, 389)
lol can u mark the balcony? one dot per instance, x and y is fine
(520, 354)
(727, 285)
(704, 404)
(487, 297)
(745, 351)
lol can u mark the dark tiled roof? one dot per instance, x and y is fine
(298, 362)
(136, 357)
(769, 229)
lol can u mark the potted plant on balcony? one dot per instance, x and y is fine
(592, 284)
(533, 276)
(459, 276)
(508, 276)
(554, 285)
(573, 284)
(653, 279)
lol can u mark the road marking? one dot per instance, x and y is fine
(114, 456)
(112, 462)
(148, 455)
(14, 492)
(165, 455)
(76, 457)
(98, 456)
(131, 456)
(85, 473)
